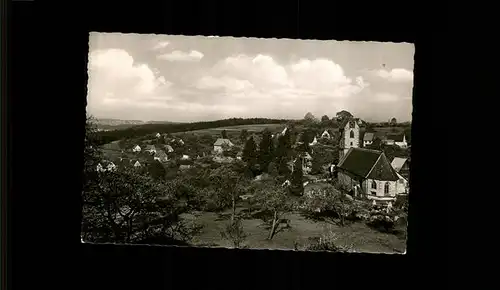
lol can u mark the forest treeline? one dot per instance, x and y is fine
(141, 130)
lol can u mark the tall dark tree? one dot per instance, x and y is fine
(344, 114)
(250, 151)
(325, 118)
(244, 135)
(224, 134)
(156, 170)
(266, 149)
(297, 185)
(309, 117)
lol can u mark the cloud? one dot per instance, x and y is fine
(161, 45)
(115, 69)
(385, 97)
(395, 75)
(114, 78)
(178, 55)
(261, 77)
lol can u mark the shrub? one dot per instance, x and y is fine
(327, 242)
(234, 233)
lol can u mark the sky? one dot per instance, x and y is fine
(197, 78)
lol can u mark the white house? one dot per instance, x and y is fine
(100, 168)
(221, 143)
(161, 156)
(180, 141)
(111, 166)
(401, 143)
(314, 142)
(185, 157)
(371, 173)
(284, 131)
(169, 148)
(151, 149)
(327, 134)
(137, 148)
(158, 135)
(368, 139)
(137, 164)
(397, 139)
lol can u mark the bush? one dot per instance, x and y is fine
(328, 242)
(234, 233)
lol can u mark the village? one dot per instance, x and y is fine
(367, 163)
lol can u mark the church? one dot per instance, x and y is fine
(367, 173)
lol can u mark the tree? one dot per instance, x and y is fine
(244, 135)
(127, 207)
(224, 134)
(297, 182)
(272, 169)
(274, 200)
(156, 170)
(266, 150)
(309, 117)
(229, 183)
(249, 153)
(344, 114)
(325, 119)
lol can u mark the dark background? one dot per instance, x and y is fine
(46, 82)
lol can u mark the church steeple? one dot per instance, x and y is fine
(349, 136)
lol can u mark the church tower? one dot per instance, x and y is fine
(349, 136)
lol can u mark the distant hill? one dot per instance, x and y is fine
(133, 131)
(106, 124)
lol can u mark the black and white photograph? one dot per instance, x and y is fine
(248, 143)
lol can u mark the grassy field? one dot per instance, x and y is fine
(360, 236)
(237, 129)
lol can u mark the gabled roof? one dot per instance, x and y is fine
(395, 137)
(368, 163)
(368, 136)
(161, 154)
(398, 162)
(222, 141)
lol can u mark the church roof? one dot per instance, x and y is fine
(368, 163)
(398, 162)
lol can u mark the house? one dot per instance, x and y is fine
(180, 141)
(220, 143)
(328, 134)
(239, 155)
(111, 166)
(99, 168)
(306, 163)
(161, 156)
(369, 174)
(185, 157)
(137, 148)
(396, 139)
(184, 167)
(158, 135)
(151, 149)
(349, 135)
(401, 165)
(137, 164)
(368, 138)
(284, 131)
(314, 142)
(169, 148)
